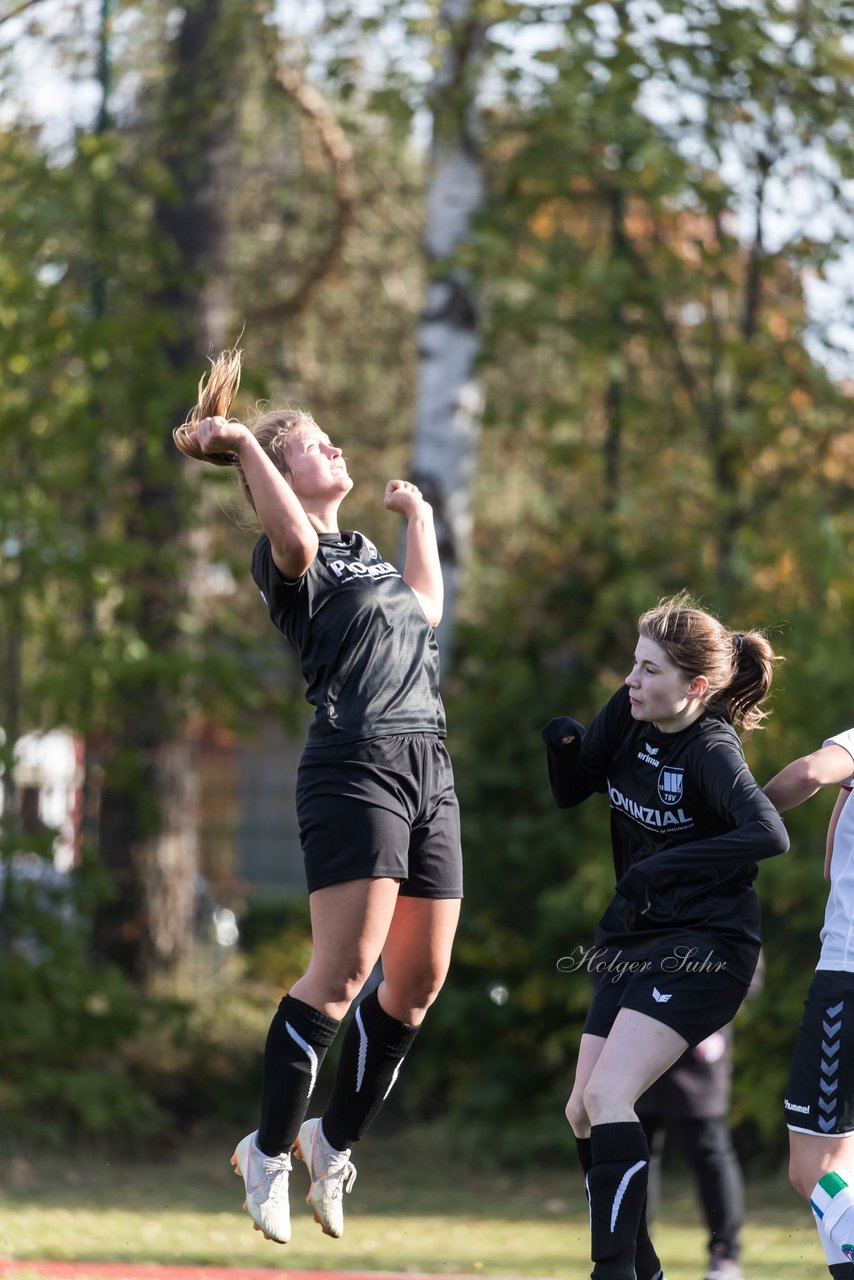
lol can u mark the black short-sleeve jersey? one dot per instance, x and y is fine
(368, 654)
(688, 824)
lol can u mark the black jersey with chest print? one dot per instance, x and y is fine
(368, 654)
(689, 823)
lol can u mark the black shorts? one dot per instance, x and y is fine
(679, 982)
(820, 1093)
(385, 807)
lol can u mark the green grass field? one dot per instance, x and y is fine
(412, 1209)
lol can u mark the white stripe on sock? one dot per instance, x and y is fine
(309, 1052)
(622, 1188)
(393, 1079)
(363, 1049)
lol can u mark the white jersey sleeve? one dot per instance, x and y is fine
(846, 740)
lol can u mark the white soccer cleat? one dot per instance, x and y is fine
(331, 1173)
(722, 1267)
(266, 1181)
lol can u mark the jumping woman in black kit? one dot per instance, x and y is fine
(680, 939)
(379, 821)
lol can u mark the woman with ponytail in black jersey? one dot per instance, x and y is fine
(379, 820)
(677, 946)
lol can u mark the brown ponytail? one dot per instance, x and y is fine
(216, 395)
(739, 666)
(753, 662)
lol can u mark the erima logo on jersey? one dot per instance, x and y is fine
(648, 756)
(646, 815)
(660, 997)
(346, 571)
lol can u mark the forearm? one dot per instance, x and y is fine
(763, 836)
(422, 569)
(804, 777)
(293, 540)
(568, 781)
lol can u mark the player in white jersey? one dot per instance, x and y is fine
(819, 1099)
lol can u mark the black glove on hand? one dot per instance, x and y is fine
(563, 731)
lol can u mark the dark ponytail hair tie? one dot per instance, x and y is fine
(737, 638)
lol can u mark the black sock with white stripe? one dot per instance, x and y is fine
(373, 1048)
(296, 1045)
(647, 1262)
(616, 1186)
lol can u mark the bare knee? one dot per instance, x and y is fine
(333, 993)
(591, 1102)
(343, 990)
(801, 1182)
(408, 999)
(575, 1112)
(603, 1103)
(797, 1184)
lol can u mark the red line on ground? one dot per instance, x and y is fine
(13, 1270)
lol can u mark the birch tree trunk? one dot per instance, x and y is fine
(449, 399)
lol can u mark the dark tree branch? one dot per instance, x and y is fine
(18, 10)
(686, 374)
(753, 285)
(339, 154)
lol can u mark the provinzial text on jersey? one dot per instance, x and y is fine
(648, 816)
(345, 571)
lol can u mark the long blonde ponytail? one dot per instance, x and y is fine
(216, 394)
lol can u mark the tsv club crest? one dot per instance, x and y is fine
(670, 785)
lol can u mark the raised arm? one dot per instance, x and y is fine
(578, 757)
(293, 540)
(563, 737)
(422, 569)
(831, 764)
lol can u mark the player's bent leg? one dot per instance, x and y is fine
(415, 963)
(636, 1052)
(417, 955)
(812, 1159)
(589, 1051)
(812, 1156)
(349, 925)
